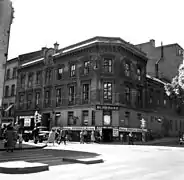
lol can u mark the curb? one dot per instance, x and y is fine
(26, 148)
(24, 170)
(84, 161)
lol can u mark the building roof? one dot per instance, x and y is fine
(10, 61)
(100, 39)
(169, 45)
(156, 79)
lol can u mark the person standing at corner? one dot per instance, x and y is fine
(121, 138)
(10, 137)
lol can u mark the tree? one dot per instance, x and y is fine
(176, 88)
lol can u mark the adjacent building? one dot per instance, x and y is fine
(100, 83)
(6, 16)
(162, 58)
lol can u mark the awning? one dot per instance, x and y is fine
(9, 107)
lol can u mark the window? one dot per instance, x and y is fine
(30, 80)
(85, 92)
(86, 67)
(22, 80)
(6, 91)
(158, 97)
(5, 106)
(93, 118)
(85, 117)
(71, 94)
(47, 98)
(37, 98)
(107, 118)
(8, 74)
(127, 69)
(21, 101)
(107, 91)
(176, 125)
(72, 70)
(139, 97)
(127, 95)
(139, 74)
(14, 73)
(38, 77)
(48, 76)
(29, 100)
(13, 90)
(60, 73)
(71, 120)
(58, 97)
(107, 65)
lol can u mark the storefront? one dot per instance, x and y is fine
(74, 131)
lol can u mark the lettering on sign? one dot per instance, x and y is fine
(27, 122)
(79, 128)
(115, 132)
(107, 107)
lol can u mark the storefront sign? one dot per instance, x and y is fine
(115, 132)
(132, 129)
(27, 122)
(23, 117)
(79, 128)
(107, 107)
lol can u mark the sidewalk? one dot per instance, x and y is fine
(24, 146)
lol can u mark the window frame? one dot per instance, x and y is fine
(85, 92)
(60, 75)
(37, 99)
(71, 97)
(127, 94)
(86, 67)
(108, 65)
(59, 99)
(72, 70)
(7, 89)
(13, 90)
(107, 90)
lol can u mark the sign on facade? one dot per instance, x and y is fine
(115, 132)
(27, 122)
(107, 107)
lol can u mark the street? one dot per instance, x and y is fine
(121, 162)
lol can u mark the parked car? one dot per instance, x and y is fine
(43, 133)
(27, 135)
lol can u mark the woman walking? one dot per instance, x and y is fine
(52, 137)
(92, 136)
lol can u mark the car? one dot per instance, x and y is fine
(27, 135)
(43, 133)
(181, 140)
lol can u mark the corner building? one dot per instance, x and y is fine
(99, 84)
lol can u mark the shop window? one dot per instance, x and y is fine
(85, 93)
(37, 98)
(60, 73)
(58, 97)
(107, 65)
(93, 118)
(71, 118)
(85, 117)
(107, 92)
(86, 67)
(73, 70)
(107, 118)
(71, 95)
(38, 77)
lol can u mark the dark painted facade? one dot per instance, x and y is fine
(99, 83)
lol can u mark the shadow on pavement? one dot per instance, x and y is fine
(48, 156)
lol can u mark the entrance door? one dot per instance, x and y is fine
(107, 135)
(45, 120)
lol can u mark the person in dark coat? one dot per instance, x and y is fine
(10, 139)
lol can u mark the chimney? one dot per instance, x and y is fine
(56, 46)
(162, 51)
(156, 70)
(152, 42)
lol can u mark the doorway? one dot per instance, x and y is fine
(45, 120)
(107, 135)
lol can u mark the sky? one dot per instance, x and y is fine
(40, 23)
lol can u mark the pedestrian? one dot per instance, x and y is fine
(59, 138)
(52, 136)
(20, 140)
(92, 136)
(121, 138)
(10, 139)
(81, 137)
(130, 138)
